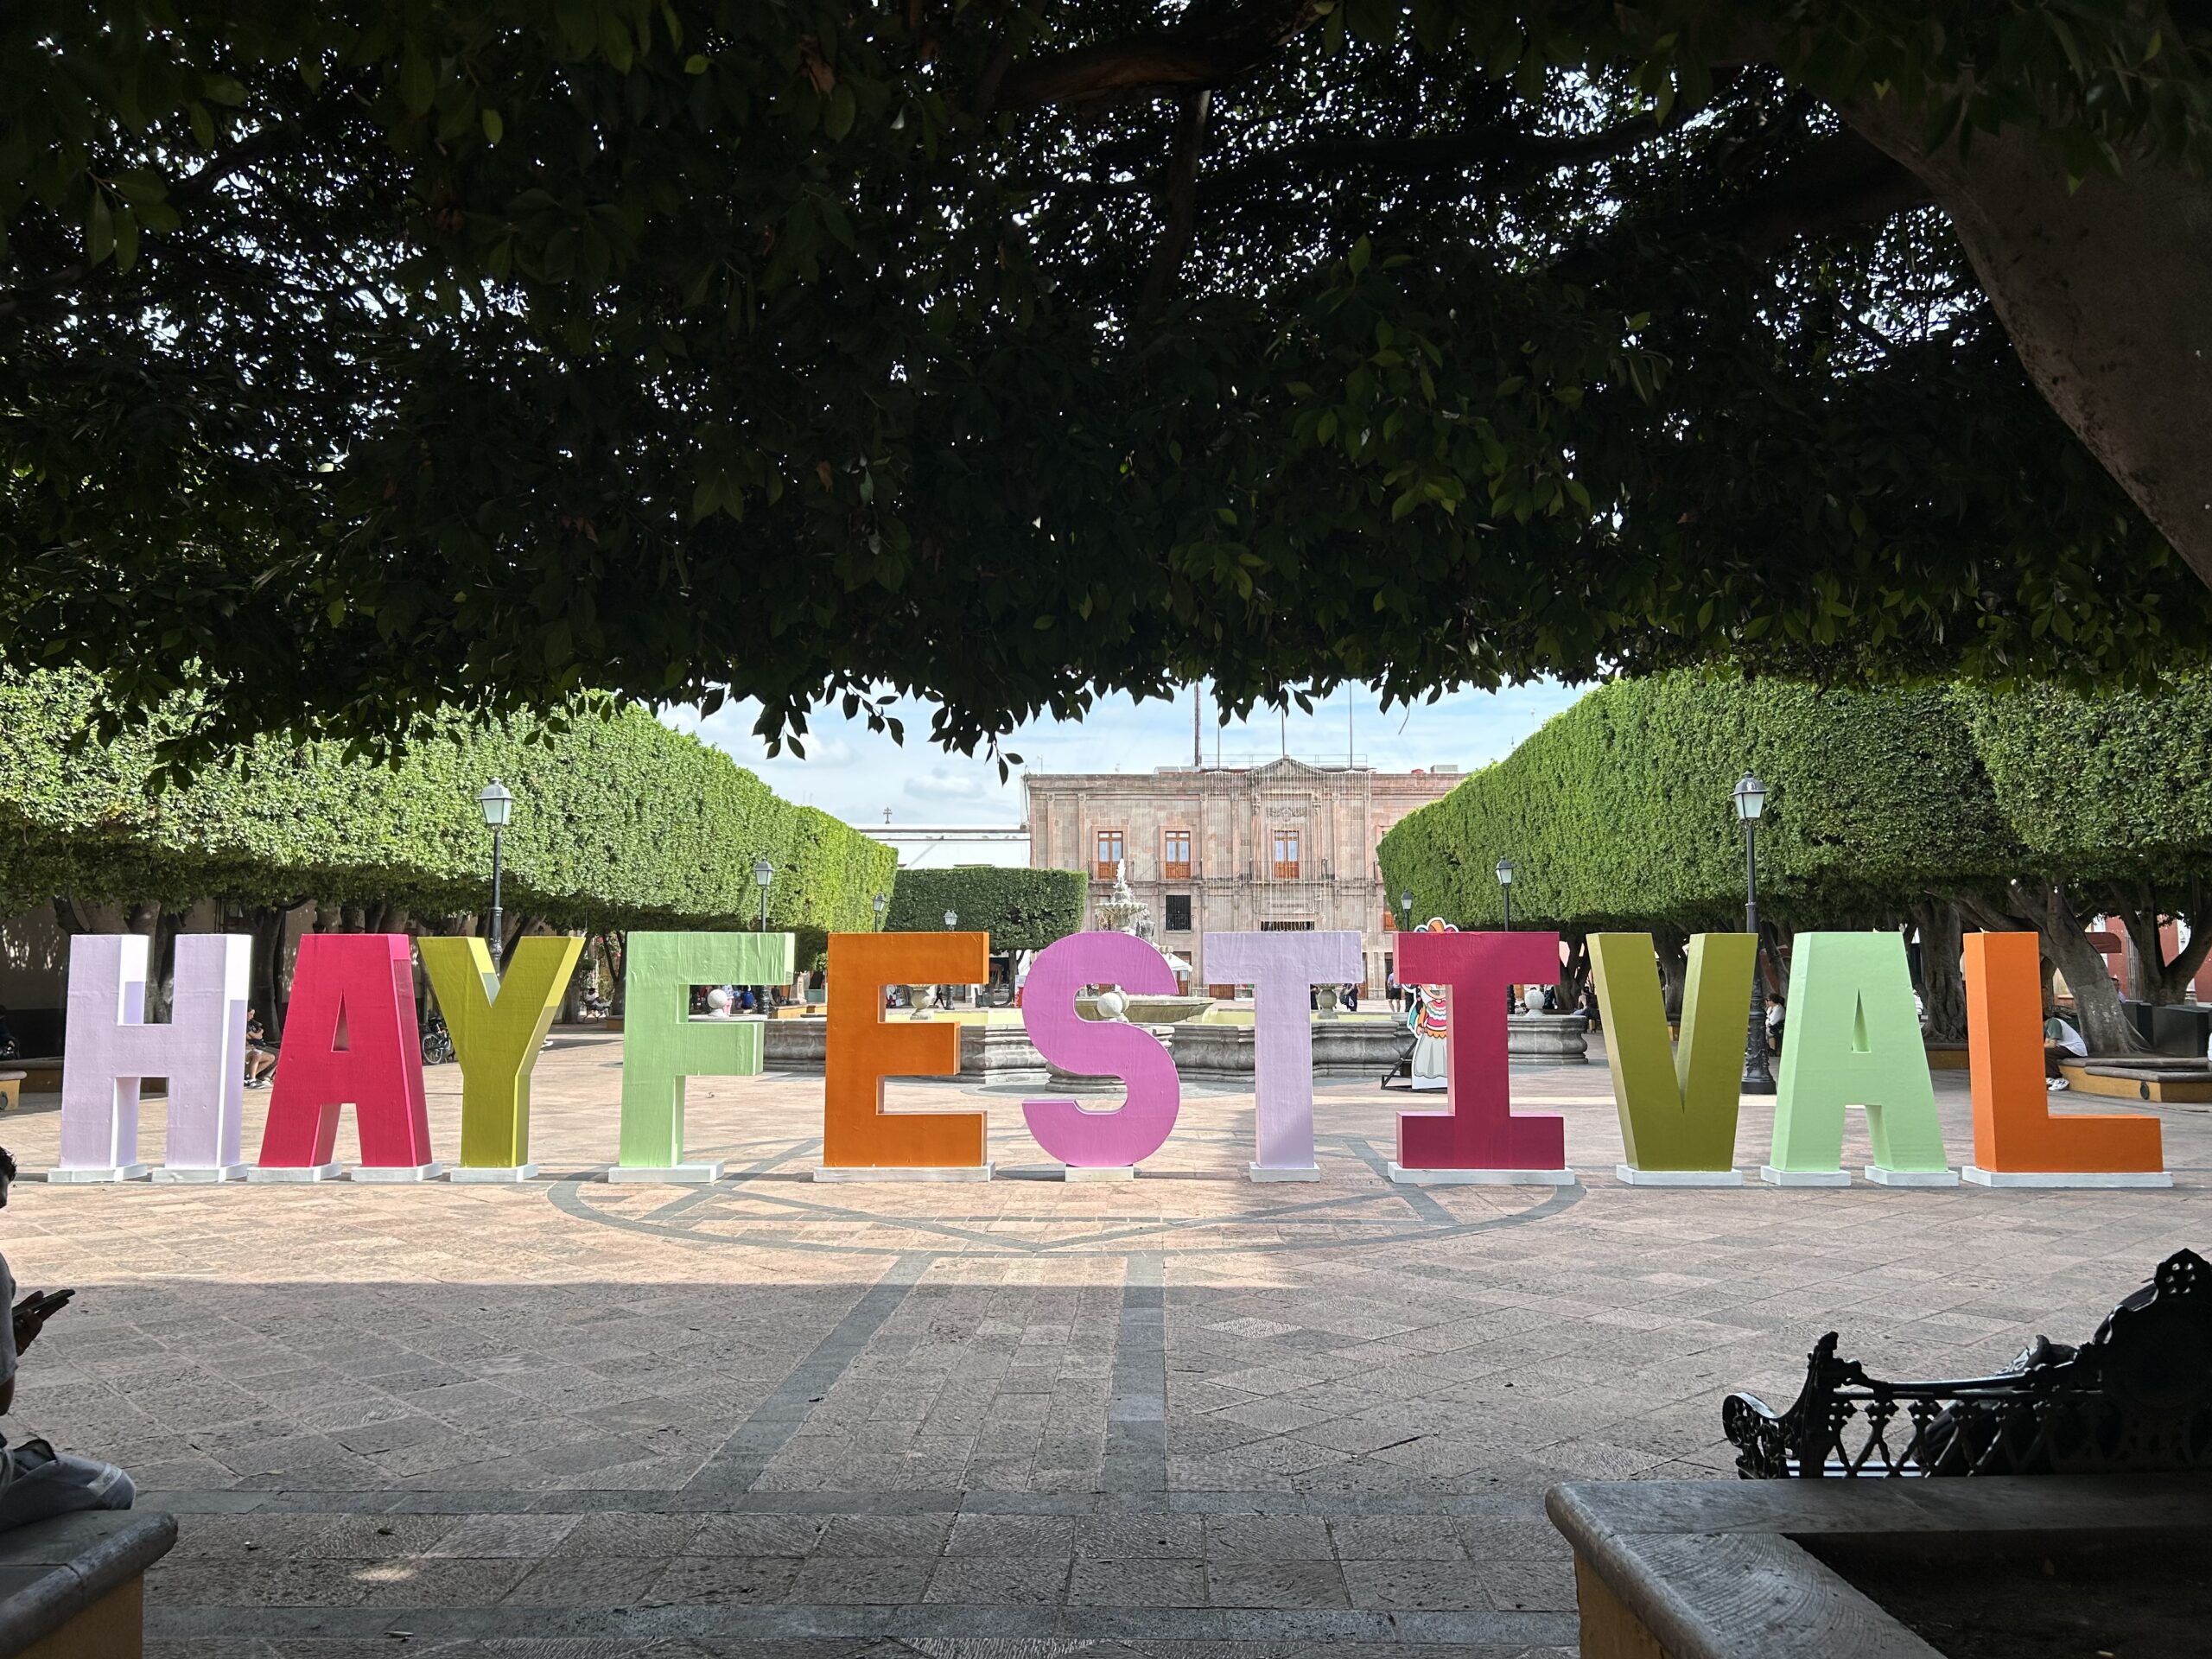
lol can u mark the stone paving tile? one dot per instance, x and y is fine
(1179, 1418)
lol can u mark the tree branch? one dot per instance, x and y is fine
(1205, 54)
(1468, 149)
(1841, 182)
(1181, 198)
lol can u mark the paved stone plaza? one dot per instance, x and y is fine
(1186, 1415)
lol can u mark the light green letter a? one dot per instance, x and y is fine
(1854, 1039)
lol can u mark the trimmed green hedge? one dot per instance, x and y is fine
(619, 823)
(1617, 813)
(1023, 910)
(2113, 785)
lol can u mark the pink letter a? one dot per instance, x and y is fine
(350, 1036)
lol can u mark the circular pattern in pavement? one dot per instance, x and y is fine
(1026, 1214)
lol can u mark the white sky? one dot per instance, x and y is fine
(857, 774)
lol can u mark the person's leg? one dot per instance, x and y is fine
(47, 1484)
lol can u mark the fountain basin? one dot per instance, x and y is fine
(1150, 1010)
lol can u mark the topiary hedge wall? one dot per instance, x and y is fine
(1023, 910)
(1617, 813)
(619, 823)
(2110, 785)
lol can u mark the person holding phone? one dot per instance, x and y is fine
(260, 1058)
(36, 1482)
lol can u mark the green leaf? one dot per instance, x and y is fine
(99, 229)
(494, 126)
(418, 83)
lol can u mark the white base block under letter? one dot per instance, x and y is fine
(1630, 1175)
(1774, 1177)
(295, 1174)
(871, 1172)
(204, 1175)
(666, 1174)
(396, 1174)
(95, 1175)
(1882, 1177)
(1405, 1177)
(1289, 1173)
(1098, 1171)
(2059, 1177)
(492, 1175)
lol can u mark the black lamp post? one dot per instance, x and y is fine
(764, 874)
(1505, 887)
(951, 925)
(499, 806)
(1406, 909)
(1750, 797)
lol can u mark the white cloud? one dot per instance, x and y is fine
(858, 775)
(942, 784)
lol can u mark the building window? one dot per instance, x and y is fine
(1175, 855)
(1179, 912)
(1286, 854)
(1286, 927)
(1113, 848)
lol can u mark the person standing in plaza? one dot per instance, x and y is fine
(36, 1482)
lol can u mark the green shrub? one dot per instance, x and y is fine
(1617, 813)
(1022, 910)
(619, 823)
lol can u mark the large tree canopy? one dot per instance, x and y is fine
(358, 359)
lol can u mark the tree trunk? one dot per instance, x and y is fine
(1575, 972)
(2102, 293)
(1942, 979)
(1674, 969)
(161, 961)
(1778, 940)
(145, 918)
(616, 949)
(2154, 977)
(2044, 905)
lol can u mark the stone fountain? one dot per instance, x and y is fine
(1123, 911)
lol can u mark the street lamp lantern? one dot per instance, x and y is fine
(764, 873)
(1505, 887)
(1406, 908)
(881, 904)
(951, 920)
(498, 806)
(1748, 797)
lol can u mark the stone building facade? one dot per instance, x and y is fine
(1234, 849)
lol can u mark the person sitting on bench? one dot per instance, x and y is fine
(36, 1482)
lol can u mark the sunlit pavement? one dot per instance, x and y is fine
(1182, 1416)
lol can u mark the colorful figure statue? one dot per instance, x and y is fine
(1429, 1020)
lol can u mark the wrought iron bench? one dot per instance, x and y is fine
(2137, 1397)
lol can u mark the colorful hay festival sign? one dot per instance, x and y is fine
(351, 1040)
